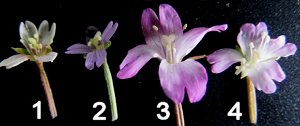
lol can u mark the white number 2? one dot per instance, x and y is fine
(237, 113)
(97, 115)
(164, 110)
(37, 105)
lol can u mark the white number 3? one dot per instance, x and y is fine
(164, 110)
(237, 113)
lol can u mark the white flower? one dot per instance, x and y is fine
(36, 42)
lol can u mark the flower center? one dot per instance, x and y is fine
(35, 47)
(255, 55)
(169, 47)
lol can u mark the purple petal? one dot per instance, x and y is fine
(190, 39)
(150, 19)
(175, 77)
(171, 81)
(14, 60)
(223, 58)
(109, 31)
(90, 60)
(135, 60)
(195, 79)
(78, 49)
(169, 20)
(101, 54)
(287, 50)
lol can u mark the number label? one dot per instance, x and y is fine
(37, 105)
(98, 116)
(237, 113)
(163, 110)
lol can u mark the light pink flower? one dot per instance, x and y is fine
(257, 56)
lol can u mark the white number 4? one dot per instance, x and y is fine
(237, 113)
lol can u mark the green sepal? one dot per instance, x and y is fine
(21, 50)
(48, 49)
(107, 44)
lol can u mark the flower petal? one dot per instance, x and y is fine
(23, 31)
(109, 31)
(101, 55)
(246, 35)
(189, 40)
(78, 49)
(90, 60)
(175, 77)
(195, 79)
(47, 58)
(14, 60)
(135, 60)
(46, 36)
(223, 58)
(169, 20)
(274, 70)
(287, 50)
(262, 81)
(30, 28)
(170, 80)
(150, 19)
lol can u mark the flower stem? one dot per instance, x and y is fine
(251, 102)
(47, 88)
(179, 114)
(111, 91)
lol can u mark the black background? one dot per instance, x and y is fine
(76, 89)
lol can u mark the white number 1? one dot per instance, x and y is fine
(38, 111)
(237, 113)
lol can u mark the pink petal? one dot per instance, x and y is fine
(261, 27)
(264, 74)
(274, 70)
(175, 77)
(171, 81)
(135, 60)
(190, 39)
(223, 58)
(287, 50)
(169, 20)
(246, 35)
(262, 81)
(78, 49)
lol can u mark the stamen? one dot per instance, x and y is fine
(184, 26)
(36, 36)
(251, 45)
(155, 28)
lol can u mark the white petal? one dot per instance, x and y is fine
(47, 58)
(14, 60)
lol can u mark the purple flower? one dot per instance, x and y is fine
(95, 49)
(257, 56)
(166, 41)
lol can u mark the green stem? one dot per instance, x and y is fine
(179, 114)
(251, 102)
(47, 88)
(111, 91)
